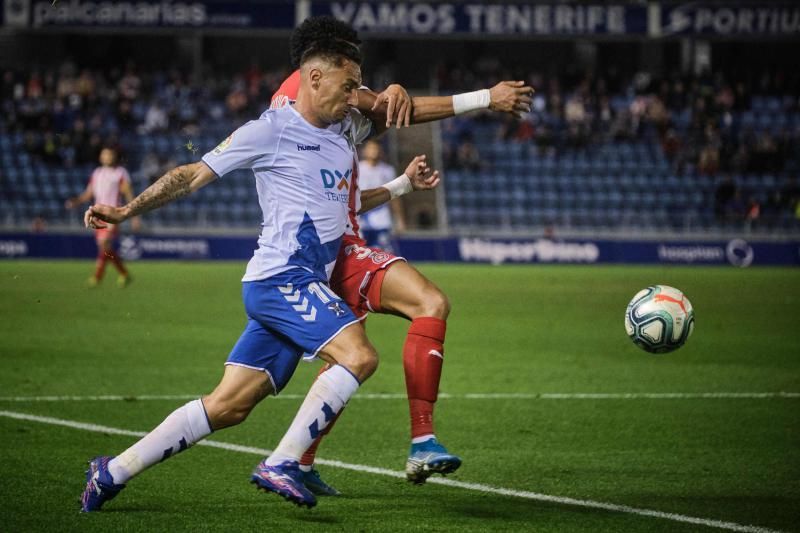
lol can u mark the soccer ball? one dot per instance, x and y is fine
(659, 319)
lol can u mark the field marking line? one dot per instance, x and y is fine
(632, 395)
(478, 487)
(444, 396)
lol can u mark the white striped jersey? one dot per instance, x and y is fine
(303, 180)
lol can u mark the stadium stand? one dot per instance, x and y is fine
(682, 155)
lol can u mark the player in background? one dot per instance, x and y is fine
(107, 183)
(373, 280)
(301, 157)
(377, 225)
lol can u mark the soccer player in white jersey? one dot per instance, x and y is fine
(302, 160)
(372, 280)
(108, 182)
(378, 224)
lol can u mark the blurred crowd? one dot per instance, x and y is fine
(703, 125)
(67, 113)
(711, 125)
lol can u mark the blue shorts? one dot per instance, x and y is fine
(288, 314)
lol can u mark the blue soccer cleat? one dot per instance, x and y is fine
(314, 483)
(100, 486)
(284, 479)
(428, 458)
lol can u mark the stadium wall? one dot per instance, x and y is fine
(735, 252)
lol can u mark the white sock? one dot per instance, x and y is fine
(185, 426)
(422, 438)
(326, 397)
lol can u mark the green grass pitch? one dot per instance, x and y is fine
(513, 329)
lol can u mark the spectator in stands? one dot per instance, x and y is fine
(708, 161)
(671, 144)
(575, 111)
(236, 100)
(463, 154)
(155, 119)
(513, 129)
(525, 130)
(577, 122)
(47, 149)
(85, 85)
(604, 118)
(657, 114)
(130, 85)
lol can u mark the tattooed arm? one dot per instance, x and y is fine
(176, 183)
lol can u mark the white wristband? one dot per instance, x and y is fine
(399, 186)
(464, 102)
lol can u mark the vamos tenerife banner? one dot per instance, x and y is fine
(508, 19)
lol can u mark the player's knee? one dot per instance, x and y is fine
(435, 304)
(223, 413)
(362, 362)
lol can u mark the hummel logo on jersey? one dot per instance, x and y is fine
(308, 148)
(300, 303)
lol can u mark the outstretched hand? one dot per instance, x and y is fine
(420, 174)
(99, 216)
(398, 105)
(511, 97)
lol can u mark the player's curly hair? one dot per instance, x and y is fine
(333, 51)
(320, 32)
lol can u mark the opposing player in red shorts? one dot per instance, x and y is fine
(373, 280)
(107, 182)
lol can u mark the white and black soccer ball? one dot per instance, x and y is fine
(659, 319)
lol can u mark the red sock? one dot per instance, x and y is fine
(100, 265)
(423, 355)
(117, 262)
(310, 454)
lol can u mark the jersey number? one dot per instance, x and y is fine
(323, 292)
